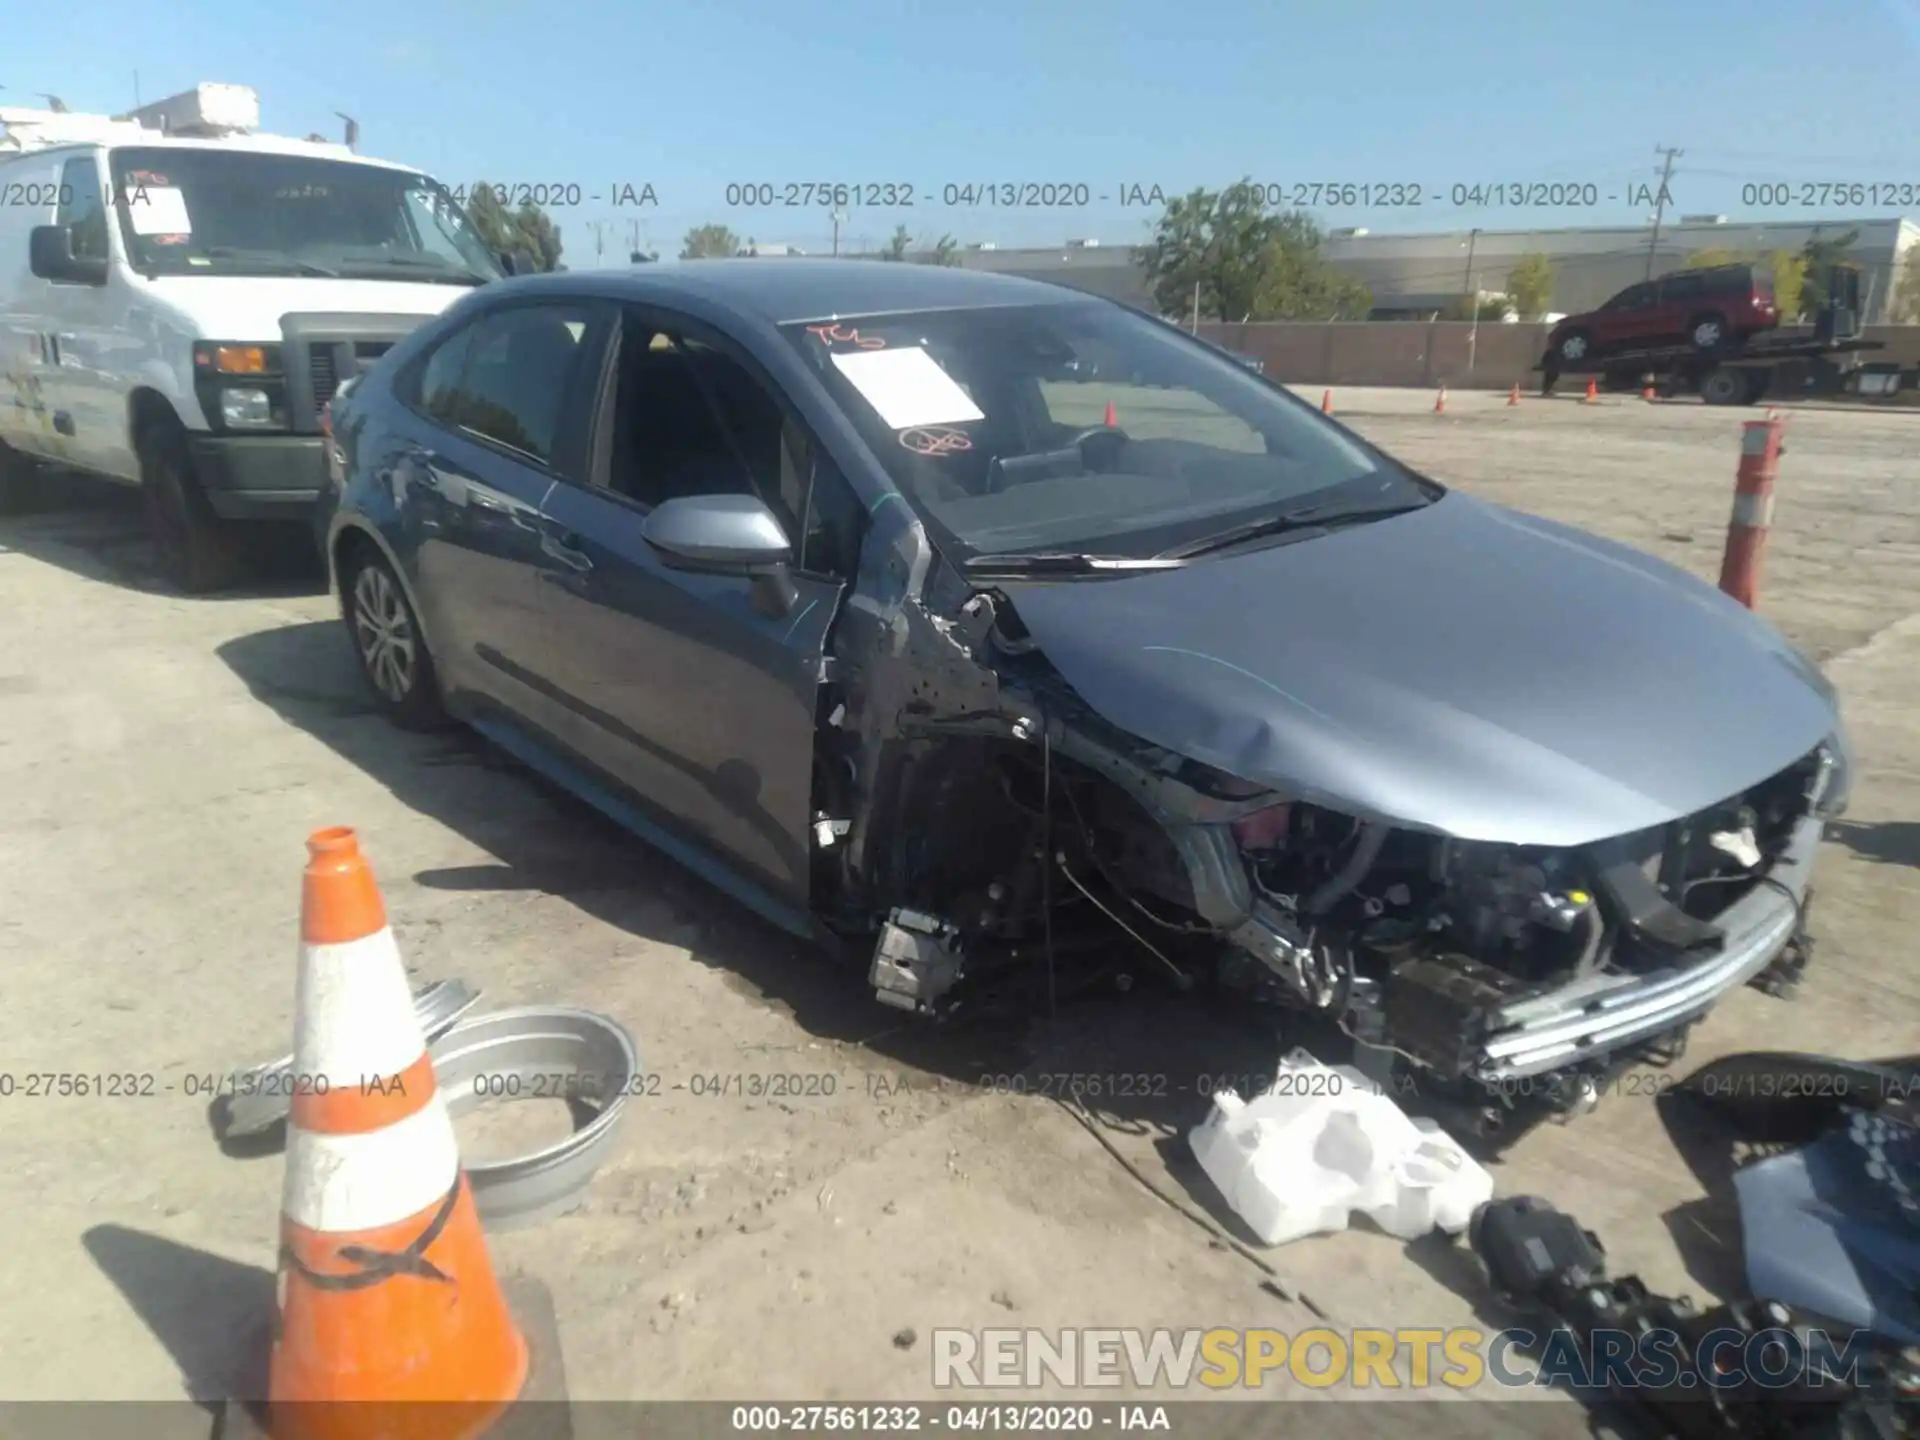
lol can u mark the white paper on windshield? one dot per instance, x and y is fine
(908, 387)
(158, 210)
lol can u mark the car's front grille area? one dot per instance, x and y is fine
(329, 362)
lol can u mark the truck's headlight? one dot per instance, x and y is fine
(245, 409)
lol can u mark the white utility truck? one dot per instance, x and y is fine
(181, 294)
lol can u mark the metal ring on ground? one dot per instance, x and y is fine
(530, 1053)
(261, 1096)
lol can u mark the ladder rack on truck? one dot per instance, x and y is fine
(1782, 366)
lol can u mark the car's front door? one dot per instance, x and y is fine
(697, 701)
(506, 404)
(1626, 319)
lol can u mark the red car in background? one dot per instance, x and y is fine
(1713, 310)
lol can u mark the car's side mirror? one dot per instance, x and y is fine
(726, 535)
(50, 256)
(518, 262)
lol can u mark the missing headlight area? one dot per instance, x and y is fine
(1005, 838)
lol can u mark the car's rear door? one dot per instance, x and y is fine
(513, 421)
(698, 704)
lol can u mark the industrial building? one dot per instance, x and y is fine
(1415, 276)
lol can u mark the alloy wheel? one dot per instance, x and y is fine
(383, 630)
(1707, 334)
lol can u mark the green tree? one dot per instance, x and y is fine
(945, 251)
(1904, 308)
(538, 236)
(1246, 260)
(1789, 280)
(896, 248)
(487, 213)
(1530, 284)
(1817, 255)
(709, 242)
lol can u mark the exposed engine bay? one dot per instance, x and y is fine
(988, 824)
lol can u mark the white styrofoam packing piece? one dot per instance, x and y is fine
(1326, 1143)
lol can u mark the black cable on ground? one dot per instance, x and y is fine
(1273, 1282)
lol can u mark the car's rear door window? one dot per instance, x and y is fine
(526, 362)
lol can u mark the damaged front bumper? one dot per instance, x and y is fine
(1590, 1019)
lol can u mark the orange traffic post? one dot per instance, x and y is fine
(1326, 402)
(1113, 418)
(1646, 392)
(392, 1321)
(1440, 402)
(1760, 451)
(1513, 396)
(1593, 391)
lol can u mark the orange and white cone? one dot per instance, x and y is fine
(1440, 402)
(1593, 392)
(1112, 419)
(1326, 402)
(1513, 396)
(387, 1293)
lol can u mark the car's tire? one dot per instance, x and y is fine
(195, 549)
(1725, 386)
(388, 642)
(21, 481)
(1708, 333)
(1574, 348)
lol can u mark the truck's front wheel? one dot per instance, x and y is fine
(193, 546)
(19, 482)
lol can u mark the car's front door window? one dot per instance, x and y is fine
(689, 419)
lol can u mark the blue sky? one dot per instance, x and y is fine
(689, 98)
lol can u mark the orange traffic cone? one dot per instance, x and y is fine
(1646, 391)
(1113, 419)
(1593, 391)
(1326, 402)
(1513, 396)
(1440, 402)
(387, 1293)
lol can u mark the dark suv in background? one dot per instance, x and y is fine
(1710, 309)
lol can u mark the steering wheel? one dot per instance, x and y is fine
(1112, 437)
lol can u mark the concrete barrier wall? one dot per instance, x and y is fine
(1415, 352)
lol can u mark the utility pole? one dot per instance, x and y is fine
(1473, 300)
(838, 216)
(1660, 201)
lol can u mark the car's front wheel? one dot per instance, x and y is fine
(387, 640)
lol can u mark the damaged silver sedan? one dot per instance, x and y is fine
(1000, 634)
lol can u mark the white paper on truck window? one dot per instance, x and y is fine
(908, 387)
(158, 210)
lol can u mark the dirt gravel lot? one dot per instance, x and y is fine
(163, 760)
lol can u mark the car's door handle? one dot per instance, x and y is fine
(566, 546)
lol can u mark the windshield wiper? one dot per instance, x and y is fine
(443, 271)
(1066, 563)
(1052, 562)
(1323, 516)
(268, 257)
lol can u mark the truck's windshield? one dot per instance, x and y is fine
(194, 211)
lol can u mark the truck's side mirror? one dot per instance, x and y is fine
(50, 256)
(518, 262)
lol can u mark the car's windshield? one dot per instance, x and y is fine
(1080, 426)
(220, 211)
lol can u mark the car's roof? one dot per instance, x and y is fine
(783, 289)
